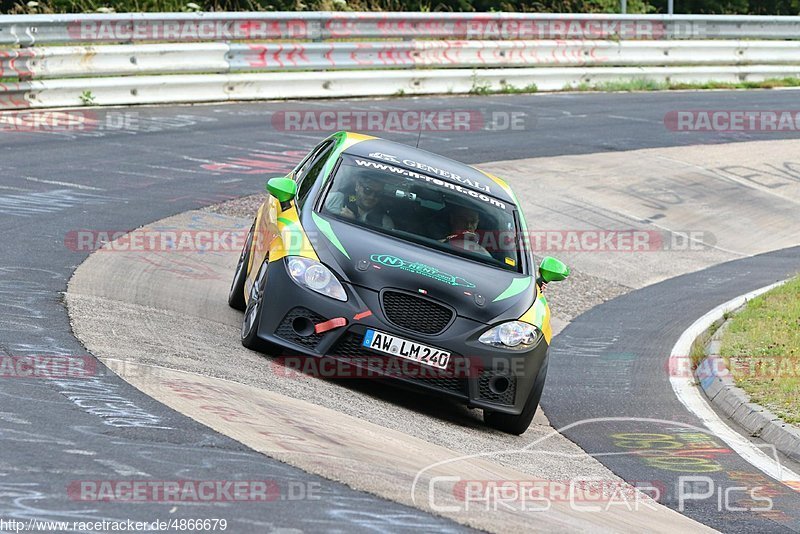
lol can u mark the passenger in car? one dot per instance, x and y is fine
(464, 223)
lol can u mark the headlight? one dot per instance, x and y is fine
(515, 335)
(315, 276)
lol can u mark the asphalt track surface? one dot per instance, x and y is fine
(172, 159)
(616, 354)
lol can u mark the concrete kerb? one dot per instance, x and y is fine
(716, 382)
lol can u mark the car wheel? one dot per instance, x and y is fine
(236, 294)
(252, 313)
(518, 424)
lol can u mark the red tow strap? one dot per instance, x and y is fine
(330, 324)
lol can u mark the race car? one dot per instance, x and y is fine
(391, 259)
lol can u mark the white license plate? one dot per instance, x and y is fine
(404, 348)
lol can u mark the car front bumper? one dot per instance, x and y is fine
(480, 376)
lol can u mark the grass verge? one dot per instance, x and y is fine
(644, 84)
(638, 84)
(761, 347)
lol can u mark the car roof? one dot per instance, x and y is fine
(425, 162)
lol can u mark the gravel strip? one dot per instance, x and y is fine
(239, 207)
(579, 293)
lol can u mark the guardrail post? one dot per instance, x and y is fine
(315, 32)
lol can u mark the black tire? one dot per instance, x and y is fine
(236, 293)
(252, 312)
(518, 424)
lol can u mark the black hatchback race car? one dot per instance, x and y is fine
(405, 264)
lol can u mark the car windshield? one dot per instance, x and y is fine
(426, 210)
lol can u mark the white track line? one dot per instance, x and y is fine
(689, 394)
(65, 184)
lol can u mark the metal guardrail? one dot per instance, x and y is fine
(209, 56)
(126, 90)
(123, 60)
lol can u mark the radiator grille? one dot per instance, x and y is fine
(416, 313)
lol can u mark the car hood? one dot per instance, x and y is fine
(376, 261)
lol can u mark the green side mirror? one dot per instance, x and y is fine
(553, 270)
(284, 189)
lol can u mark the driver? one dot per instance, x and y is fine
(464, 222)
(364, 205)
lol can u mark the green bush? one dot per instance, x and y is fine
(759, 7)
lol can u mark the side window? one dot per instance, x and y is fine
(311, 170)
(304, 165)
